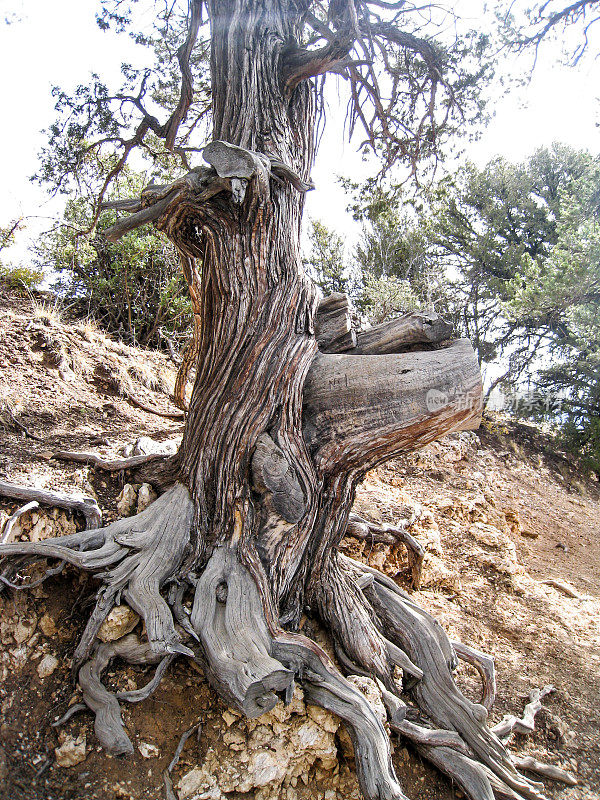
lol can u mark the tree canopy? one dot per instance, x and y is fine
(413, 78)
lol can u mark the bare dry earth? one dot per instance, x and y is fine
(496, 514)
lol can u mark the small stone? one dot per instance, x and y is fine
(146, 446)
(47, 625)
(23, 630)
(121, 621)
(71, 752)
(146, 496)
(127, 501)
(47, 666)
(229, 718)
(148, 750)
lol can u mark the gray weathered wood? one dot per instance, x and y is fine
(228, 618)
(409, 329)
(362, 409)
(486, 667)
(272, 474)
(333, 324)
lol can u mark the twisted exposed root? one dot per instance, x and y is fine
(324, 686)
(134, 557)
(340, 603)
(108, 723)
(486, 668)
(228, 618)
(464, 748)
(359, 528)
(78, 502)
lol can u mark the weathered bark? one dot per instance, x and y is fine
(360, 410)
(276, 438)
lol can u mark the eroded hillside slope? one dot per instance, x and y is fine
(511, 567)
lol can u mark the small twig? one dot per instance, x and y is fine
(168, 783)
(526, 724)
(176, 415)
(33, 584)
(12, 420)
(564, 587)
(74, 709)
(10, 522)
(184, 737)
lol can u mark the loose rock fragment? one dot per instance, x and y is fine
(121, 621)
(47, 666)
(71, 752)
(127, 501)
(148, 750)
(146, 496)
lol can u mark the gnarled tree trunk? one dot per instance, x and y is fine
(277, 436)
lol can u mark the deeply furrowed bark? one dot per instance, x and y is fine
(276, 439)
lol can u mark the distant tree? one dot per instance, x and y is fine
(134, 287)
(490, 226)
(523, 242)
(16, 276)
(398, 267)
(326, 261)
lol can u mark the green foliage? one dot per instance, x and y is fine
(326, 261)
(386, 297)
(16, 277)
(523, 242)
(20, 277)
(133, 288)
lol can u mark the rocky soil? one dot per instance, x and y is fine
(511, 567)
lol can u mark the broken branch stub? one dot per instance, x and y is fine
(228, 618)
(360, 410)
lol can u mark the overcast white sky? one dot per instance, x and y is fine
(58, 42)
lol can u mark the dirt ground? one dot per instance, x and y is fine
(498, 514)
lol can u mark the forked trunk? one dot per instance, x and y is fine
(222, 566)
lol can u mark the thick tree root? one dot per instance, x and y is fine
(324, 686)
(85, 505)
(253, 663)
(436, 694)
(228, 618)
(134, 558)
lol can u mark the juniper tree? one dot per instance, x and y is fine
(290, 407)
